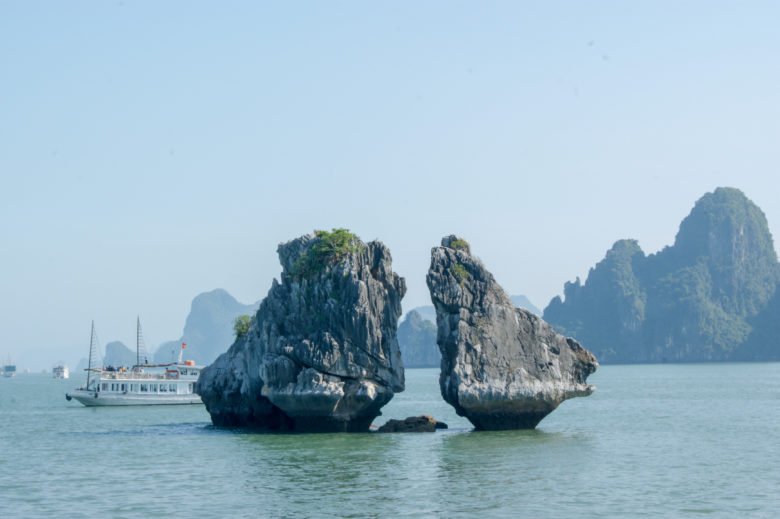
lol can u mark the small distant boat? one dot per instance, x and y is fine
(60, 371)
(9, 370)
(141, 384)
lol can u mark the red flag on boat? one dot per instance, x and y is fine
(183, 345)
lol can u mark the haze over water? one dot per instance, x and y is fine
(653, 441)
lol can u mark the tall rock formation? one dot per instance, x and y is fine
(693, 301)
(321, 354)
(502, 367)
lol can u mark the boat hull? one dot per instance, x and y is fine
(99, 399)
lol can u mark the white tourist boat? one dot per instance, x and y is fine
(141, 384)
(9, 370)
(60, 371)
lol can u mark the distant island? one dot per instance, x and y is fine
(417, 340)
(118, 354)
(208, 331)
(712, 296)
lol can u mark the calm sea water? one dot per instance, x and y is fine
(654, 441)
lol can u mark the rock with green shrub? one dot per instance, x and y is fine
(321, 353)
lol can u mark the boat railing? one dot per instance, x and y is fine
(135, 375)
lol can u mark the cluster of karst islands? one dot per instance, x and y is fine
(322, 353)
(324, 350)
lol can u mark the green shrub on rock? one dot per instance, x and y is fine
(460, 244)
(241, 325)
(460, 273)
(329, 248)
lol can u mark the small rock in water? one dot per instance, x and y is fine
(502, 367)
(424, 423)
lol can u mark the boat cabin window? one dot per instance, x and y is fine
(163, 387)
(191, 388)
(104, 386)
(193, 372)
(183, 371)
(153, 387)
(124, 387)
(172, 388)
(134, 387)
(144, 388)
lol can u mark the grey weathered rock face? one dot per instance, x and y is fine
(321, 354)
(502, 367)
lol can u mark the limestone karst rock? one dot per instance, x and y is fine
(502, 367)
(321, 354)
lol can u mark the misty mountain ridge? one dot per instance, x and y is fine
(711, 296)
(117, 354)
(208, 330)
(417, 341)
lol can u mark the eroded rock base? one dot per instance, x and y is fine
(506, 421)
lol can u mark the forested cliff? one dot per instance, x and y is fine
(709, 296)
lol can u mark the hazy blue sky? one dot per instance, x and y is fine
(150, 151)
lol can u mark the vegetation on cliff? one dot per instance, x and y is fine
(330, 247)
(241, 325)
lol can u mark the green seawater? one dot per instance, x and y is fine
(686, 440)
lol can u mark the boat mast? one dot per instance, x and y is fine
(92, 352)
(140, 346)
(138, 341)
